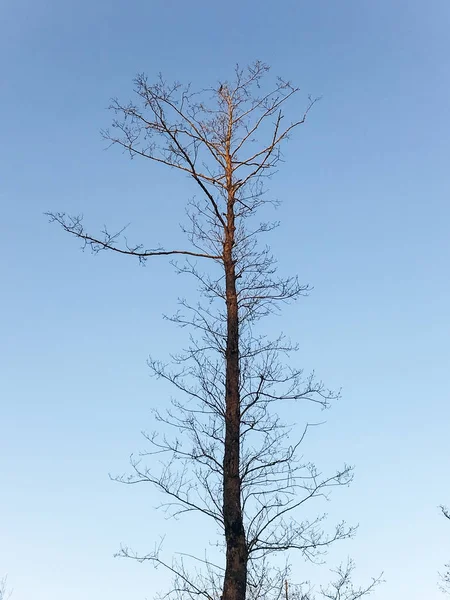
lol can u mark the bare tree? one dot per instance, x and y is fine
(231, 457)
(445, 577)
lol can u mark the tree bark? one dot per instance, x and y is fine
(235, 580)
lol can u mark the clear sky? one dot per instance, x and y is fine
(365, 220)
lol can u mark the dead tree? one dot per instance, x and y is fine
(231, 458)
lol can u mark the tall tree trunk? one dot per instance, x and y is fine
(235, 581)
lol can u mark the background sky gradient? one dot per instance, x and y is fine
(365, 220)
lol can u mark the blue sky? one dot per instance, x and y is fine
(365, 220)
